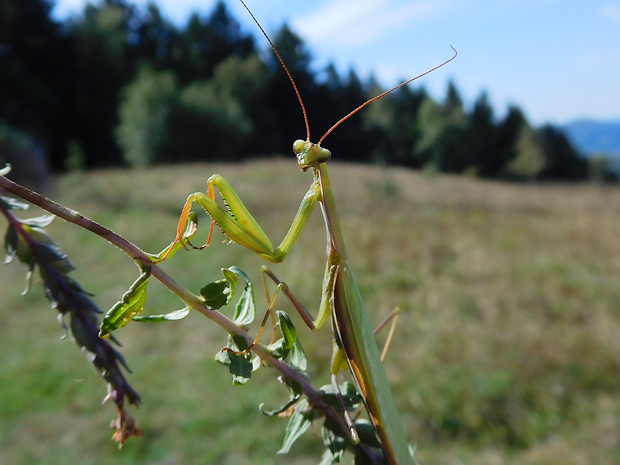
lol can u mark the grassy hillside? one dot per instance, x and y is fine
(507, 351)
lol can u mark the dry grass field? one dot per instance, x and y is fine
(507, 352)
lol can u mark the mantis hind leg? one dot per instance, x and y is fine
(391, 319)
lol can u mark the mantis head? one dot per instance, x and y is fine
(310, 155)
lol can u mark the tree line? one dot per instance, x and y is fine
(121, 85)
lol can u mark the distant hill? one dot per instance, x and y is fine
(595, 137)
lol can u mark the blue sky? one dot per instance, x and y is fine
(558, 60)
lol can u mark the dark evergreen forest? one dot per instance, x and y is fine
(119, 85)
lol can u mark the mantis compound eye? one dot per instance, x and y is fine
(298, 146)
(324, 155)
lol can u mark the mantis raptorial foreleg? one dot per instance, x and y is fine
(239, 224)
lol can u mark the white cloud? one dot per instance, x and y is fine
(611, 11)
(351, 22)
(336, 18)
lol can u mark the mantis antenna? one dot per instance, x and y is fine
(346, 117)
(383, 94)
(286, 70)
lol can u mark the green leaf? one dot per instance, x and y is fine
(297, 357)
(281, 348)
(222, 357)
(366, 432)
(295, 390)
(245, 312)
(217, 294)
(298, 424)
(335, 442)
(125, 310)
(239, 343)
(39, 221)
(240, 367)
(350, 396)
(11, 245)
(16, 246)
(277, 349)
(241, 364)
(289, 333)
(289, 345)
(29, 285)
(172, 316)
(328, 458)
(11, 204)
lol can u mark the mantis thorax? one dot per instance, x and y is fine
(309, 154)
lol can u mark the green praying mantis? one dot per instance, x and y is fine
(355, 345)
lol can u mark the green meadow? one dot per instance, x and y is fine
(507, 350)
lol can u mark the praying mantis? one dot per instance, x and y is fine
(355, 346)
